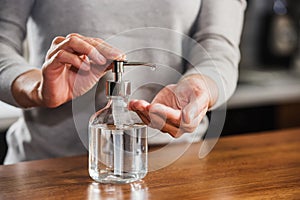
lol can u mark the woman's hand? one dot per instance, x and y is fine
(70, 58)
(179, 108)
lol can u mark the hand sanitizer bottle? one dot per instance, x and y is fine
(117, 143)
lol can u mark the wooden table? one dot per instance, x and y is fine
(254, 166)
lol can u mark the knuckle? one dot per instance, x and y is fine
(188, 128)
(59, 54)
(57, 40)
(197, 91)
(72, 40)
(175, 134)
(91, 49)
(99, 40)
(72, 35)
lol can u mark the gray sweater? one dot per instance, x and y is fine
(182, 37)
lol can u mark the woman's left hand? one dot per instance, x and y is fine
(178, 108)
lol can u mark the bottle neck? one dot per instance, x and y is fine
(120, 111)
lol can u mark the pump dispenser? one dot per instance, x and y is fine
(117, 142)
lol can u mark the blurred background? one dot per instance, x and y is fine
(268, 92)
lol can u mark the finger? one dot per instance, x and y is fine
(100, 69)
(58, 40)
(161, 124)
(163, 117)
(140, 107)
(174, 130)
(190, 127)
(109, 52)
(171, 115)
(79, 46)
(63, 57)
(144, 118)
(172, 120)
(160, 116)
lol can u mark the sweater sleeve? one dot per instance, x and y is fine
(13, 19)
(214, 49)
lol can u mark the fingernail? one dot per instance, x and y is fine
(85, 66)
(101, 59)
(85, 59)
(116, 54)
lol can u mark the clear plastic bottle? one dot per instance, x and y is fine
(118, 145)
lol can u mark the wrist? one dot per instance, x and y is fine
(26, 89)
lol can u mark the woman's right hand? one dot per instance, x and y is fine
(70, 58)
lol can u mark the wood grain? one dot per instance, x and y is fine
(254, 166)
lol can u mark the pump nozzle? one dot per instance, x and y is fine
(118, 67)
(118, 87)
